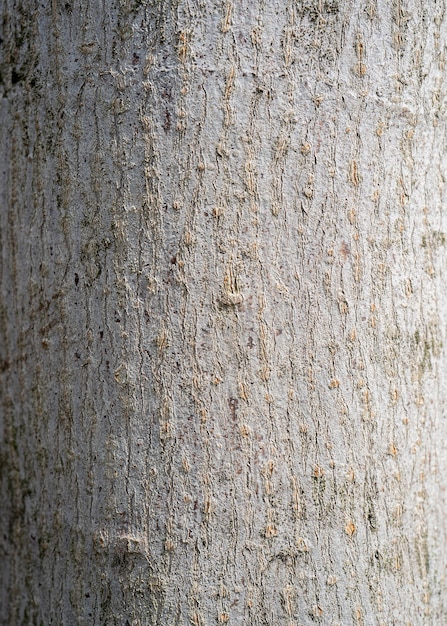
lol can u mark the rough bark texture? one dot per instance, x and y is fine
(223, 313)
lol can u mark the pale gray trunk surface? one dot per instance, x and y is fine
(223, 313)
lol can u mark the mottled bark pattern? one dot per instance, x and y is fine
(223, 313)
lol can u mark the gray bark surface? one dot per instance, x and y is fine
(223, 313)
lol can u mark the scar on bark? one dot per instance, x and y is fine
(233, 407)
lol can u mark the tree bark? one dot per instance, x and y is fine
(223, 313)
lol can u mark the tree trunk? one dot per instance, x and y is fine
(223, 313)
